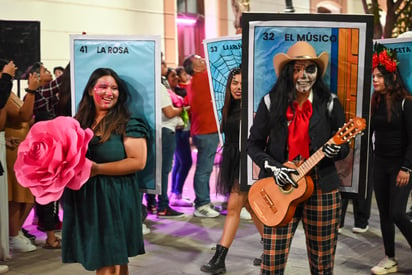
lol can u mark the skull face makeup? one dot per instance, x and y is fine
(304, 75)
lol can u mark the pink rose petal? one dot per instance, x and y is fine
(52, 157)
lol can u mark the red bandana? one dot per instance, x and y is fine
(298, 139)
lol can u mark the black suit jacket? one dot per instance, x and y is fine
(265, 143)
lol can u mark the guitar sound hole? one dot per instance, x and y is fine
(286, 189)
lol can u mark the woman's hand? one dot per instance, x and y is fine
(94, 169)
(12, 142)
(402, 178)
(10, 69)
(34, 81)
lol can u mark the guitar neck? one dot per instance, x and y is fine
(308, 165)
(349, 130)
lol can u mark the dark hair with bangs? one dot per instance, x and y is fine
(228, 97)
(116, 119)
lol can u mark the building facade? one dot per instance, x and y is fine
(212, 18)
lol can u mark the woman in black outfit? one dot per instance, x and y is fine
(228, 182)
(391, 123)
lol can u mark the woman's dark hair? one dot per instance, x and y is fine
(180, 70)
(3, 62)
(63, 107)
(116, 119)
(169, 70)
(228, 97)
(58, 68)
(35, 68)
(396, 91)
(188, 64)
(283, 93)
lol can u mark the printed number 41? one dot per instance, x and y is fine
(83, 49)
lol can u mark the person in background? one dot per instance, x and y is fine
(46, 100)
(64, 104)
(295, 119)
(7, 73)
(361, 204)
(21, 200)
(203, 130)
(102, 220)
(228, 181)
(58, 71)
(183, 154)
(170, 121)
(404, 35)
(391, 124)
(47, 95)
(163, 72)
(183, 78)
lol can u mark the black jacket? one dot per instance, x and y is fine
(5, 88)
(266, 144)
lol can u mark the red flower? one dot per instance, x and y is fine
(52, 157)
(375, 60)
(385, 60)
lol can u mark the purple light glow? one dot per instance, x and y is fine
(185, 21)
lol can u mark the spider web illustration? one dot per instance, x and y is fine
(219, 69)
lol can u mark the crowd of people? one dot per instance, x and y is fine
(294, 119)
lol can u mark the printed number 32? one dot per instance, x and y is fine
(268, 36)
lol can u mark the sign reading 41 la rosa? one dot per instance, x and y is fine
(136, 59)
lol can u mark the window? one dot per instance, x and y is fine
(190, 35)
(190, 7)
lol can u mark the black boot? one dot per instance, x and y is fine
(217, 264)
(258, 261)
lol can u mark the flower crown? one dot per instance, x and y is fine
(384, 57)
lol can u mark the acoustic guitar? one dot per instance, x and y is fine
(275, 205)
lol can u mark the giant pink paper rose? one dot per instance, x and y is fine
(52, 157)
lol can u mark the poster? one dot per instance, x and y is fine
(222, 55)
(136, 60)
(403, 49)
(344, 38)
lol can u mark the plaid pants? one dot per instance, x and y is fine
(320, 215)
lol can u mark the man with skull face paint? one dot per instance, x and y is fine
(298, 116)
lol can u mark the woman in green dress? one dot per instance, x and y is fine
(102, 223)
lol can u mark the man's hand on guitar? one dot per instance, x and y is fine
(282, 174)
(331, 150)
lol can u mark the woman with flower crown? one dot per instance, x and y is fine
(391, 123)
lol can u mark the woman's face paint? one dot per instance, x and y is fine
(304, 75)
(105, 93)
